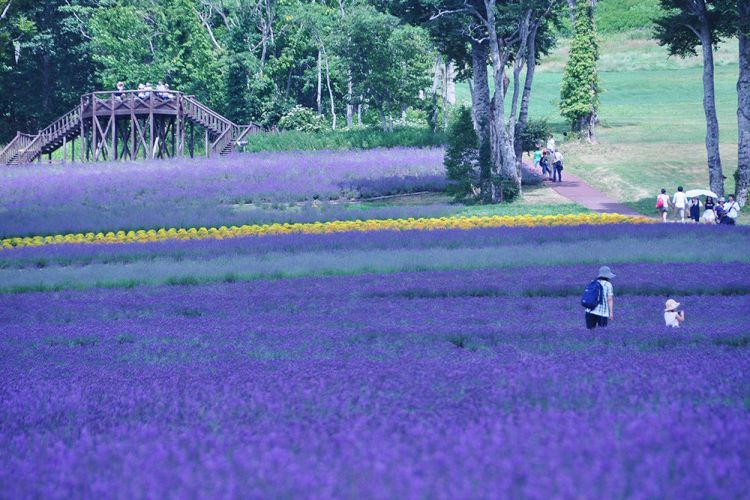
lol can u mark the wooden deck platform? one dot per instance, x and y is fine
(131, 124)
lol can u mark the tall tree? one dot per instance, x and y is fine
(685, 25)
(579, 92)
(743, 102)
(497, 32)
(45, 63)
(389, 61)
(161, 40)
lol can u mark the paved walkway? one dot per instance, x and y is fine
(578, 191)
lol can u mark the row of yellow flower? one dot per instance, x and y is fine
(144, 236)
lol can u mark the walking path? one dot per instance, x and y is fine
(578, 191)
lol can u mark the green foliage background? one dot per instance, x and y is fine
(248, 63)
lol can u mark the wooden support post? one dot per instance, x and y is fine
(208, 149)
(65, 149)
(73, 150)
(114, 129)
(151, 140)
(192, 139)
(181, 117)
(174, 132)
(94, 126)
(83, 135)
(132, 128)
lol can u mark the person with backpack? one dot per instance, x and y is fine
(544, 163)
(598, 299)
(662, 204)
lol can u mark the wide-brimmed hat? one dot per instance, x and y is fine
(671, 305)
(606, 272)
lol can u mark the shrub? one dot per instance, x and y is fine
(355, 138)
(462, 155)
(302, 119)
(534, 134)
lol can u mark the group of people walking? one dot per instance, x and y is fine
(550, 160)
(599, 303)
(721, 211)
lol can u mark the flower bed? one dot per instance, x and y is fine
(145, 236)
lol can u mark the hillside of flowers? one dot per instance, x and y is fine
(43, 199)
(251, 327)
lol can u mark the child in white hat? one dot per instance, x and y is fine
(673, 317)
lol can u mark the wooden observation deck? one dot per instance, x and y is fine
(131, 124)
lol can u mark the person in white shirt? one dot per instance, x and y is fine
(551, 145)
(680, 201)
(160, 88)
(673, 317)
(731, 210)
(557, 167)
(662, 204)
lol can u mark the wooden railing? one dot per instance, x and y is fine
(62, 125)
(206, 116)
(10, 149)
(16, 148)
(32, 150)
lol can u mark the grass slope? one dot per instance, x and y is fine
(652, 129)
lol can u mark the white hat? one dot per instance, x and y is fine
(671, 305)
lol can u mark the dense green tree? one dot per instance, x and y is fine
(579, 91)
(139, 42)
(389, 62)
(252, 60)
(44, 63)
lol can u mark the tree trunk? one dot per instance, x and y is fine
(383, 120)
(480, 106)
(715, 175)
(451, 82)
(523, 113)
(503, 155)
(444, 86)
(318, 98)
(572, 13)
(330, 93)
(349, 105)
(743, 106)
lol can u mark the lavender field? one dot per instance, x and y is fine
(416, 364)
(41, 199)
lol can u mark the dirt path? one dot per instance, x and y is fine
(575, 189)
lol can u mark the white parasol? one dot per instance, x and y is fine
(700, 192)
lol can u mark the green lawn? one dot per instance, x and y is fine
(652, 128)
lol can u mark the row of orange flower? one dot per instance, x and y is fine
(145, 236)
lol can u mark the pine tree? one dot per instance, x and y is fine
(579, 93)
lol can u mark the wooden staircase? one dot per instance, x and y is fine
(228, 135)
(225, 135)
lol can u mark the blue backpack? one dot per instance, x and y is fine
(593, 295)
